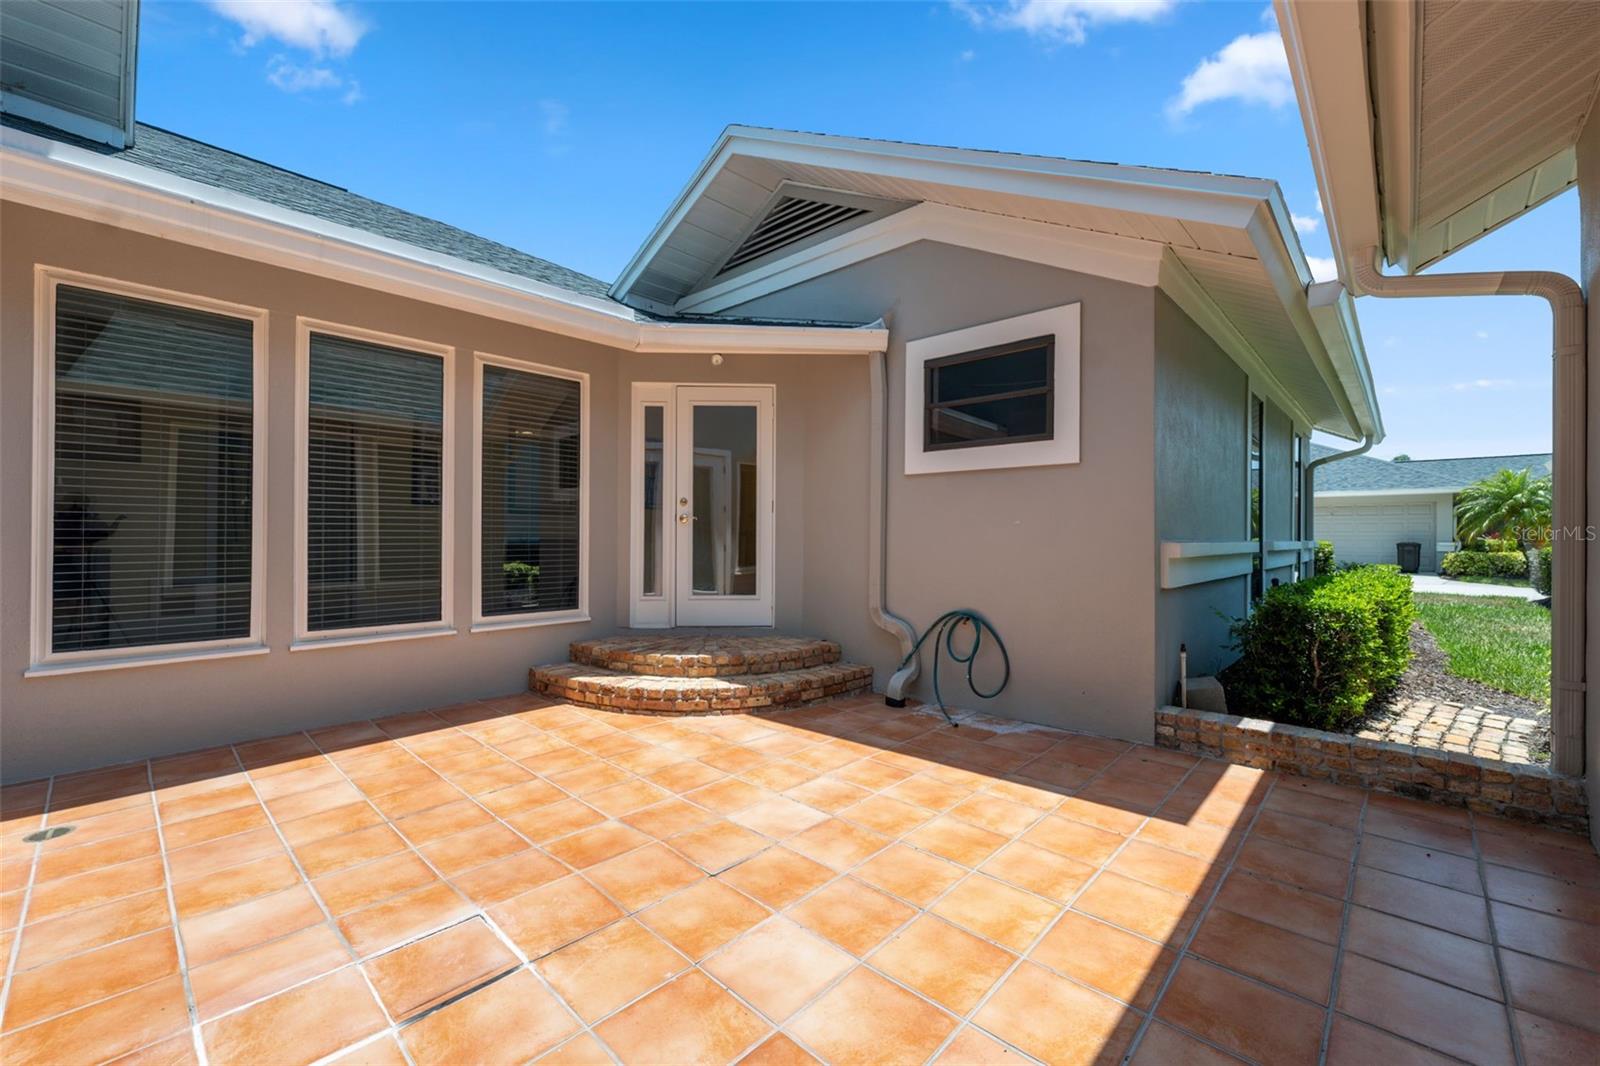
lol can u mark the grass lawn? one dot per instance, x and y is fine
(1492, 580)
(1496, 640)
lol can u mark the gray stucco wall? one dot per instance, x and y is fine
(1060, 558)
(1589, 259)
(73, 721)
(1202, 440)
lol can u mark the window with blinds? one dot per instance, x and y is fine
(530, 469)
(152, 494)
(374, 509)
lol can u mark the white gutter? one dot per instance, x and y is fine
(1567, 683)
(53, 176)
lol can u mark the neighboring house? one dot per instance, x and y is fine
(277, 455)
(1366, 506)
(1431, 125)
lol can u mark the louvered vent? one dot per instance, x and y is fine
(791, 220)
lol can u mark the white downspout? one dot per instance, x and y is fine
(878, 532)
(1570, 486)
(1308, 516)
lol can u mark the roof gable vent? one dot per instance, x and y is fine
(790, 220)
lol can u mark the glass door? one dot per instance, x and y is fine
(722, 518)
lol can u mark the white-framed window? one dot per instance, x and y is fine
(998, 395)
(149, 475)
(374, 486)
(530, 506)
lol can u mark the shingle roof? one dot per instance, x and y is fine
(1364, 474)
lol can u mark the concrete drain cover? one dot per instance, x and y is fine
(48, 834)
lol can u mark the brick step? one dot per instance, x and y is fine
(738, 694)
(701, 655)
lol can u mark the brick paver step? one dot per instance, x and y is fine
(703, 655)
(659, 694)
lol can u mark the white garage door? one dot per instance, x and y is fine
(1367, 533)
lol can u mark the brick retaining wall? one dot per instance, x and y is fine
(1515, 790)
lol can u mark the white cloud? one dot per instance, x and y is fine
(1305, 223)
(553, 114)
(1251, 68)
(1479, 384)
(1482, 334)
(1059, 21)
(967, 55)
(294, 78)
(1323, 268)
(321, 27)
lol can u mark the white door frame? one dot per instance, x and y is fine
(674, 602)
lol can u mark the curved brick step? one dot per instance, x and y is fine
(697, 655)
(739, 694)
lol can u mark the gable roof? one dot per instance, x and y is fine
(1363, 473)
(1223, 247)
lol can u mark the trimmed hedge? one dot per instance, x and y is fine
(1541, 573)
(1484, 564)
(1323, 559)
(1316, 652)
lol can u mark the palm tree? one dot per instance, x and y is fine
(1510, 502)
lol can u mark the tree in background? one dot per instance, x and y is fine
(1512, 504)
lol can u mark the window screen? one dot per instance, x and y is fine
(530, 492)
(1257, 530)
(373, 508)
(1000, 395)
(151, 534)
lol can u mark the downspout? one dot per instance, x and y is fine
(1308, 509)
(1569, 536)
(878, 533)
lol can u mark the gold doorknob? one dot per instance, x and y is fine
(684, 519)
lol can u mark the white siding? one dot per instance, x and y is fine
(1367, 530)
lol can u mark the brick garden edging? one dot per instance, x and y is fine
(1523, 791)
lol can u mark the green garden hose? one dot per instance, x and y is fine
(943, 631)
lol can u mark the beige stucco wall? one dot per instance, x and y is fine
(51, 724)
(1061, 559)
(1589, 268)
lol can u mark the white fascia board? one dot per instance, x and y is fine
(1352, 494)
(1333, 310)
(1106, 255)
(1327, 61)
(58, 177)
(703, 176)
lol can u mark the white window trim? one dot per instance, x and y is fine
(653, 611)
(480, 622)
(304, 637)
(1061, 322)
(43, 661)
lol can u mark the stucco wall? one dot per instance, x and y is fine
(1060, 558)
(1202, 441)
(50, 724)
(1589, 252)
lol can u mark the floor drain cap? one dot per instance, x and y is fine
(48, 834)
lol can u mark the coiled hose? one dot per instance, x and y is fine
(943, 631)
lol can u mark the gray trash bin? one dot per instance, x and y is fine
(1408, 553)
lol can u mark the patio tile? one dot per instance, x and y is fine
(1295, 866)
(1309, 834)
(84, 857)
(92, 927)
(1253, 1020)
(265, 969)
(400, 918)
(445, 820)
(90, 889)
(956, 840)
(1350, 1043)
(1106, 958)
(1545, 894)
(426, 972)
(778, 876)
(778, 967)
(1420, 901)
(1547, 1040)
(1144, 909)
(1054, 1020)
(914, 876)
(778, 817)
(511, 1020)
(689, 1020)
(300, 1025)
(331, 854)
(669, 818)
(642, 877)
(866, 1019)
(581, 1050)
(884, 814)
(718, 845)
(702, 918)
(504, 878)
(360, 886)
(597, 844)
(1266, 952)
(1455, 960)
(69, 983)
(234, 885)
(779, 1050)
(1546, 936)
(1163, 868)
(997, 911)
(837, 844)
(607, 969)
(105, 1030)
(1074, 840)
(554, 915)
(944, 963)
(472, 848)
(1424, 864)
(851, 914)
(1553, 990)
(1163, 1045)
(553, 820)
(1039, 871)
(972, 1046)
(1432, 1014)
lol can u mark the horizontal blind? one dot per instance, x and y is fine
(374, 474)
(530, 468)
(151, 539)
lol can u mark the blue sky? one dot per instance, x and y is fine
(567, 129)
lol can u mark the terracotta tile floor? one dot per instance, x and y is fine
(513, 880)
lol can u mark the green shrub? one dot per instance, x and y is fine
(1484, 564)
(1541, 573)
(1323, 559)
(1316, 652)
